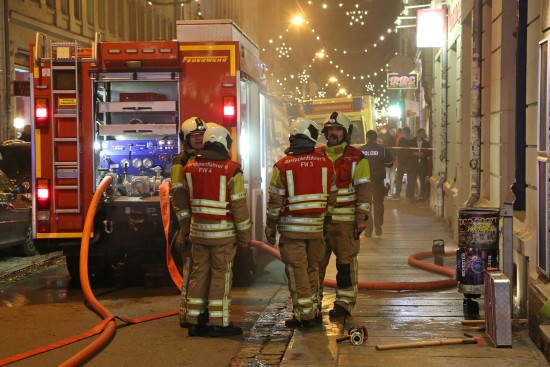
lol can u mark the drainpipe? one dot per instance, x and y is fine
(7, 73)
(518, 187)
(439, 204)
(475, 92)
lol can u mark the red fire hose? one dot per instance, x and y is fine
(107, 326)
(414, 260)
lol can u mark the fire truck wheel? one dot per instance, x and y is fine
(27, 247)
(98, 268)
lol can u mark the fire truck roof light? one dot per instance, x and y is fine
(165, 50)
(148, 51)
(114, 51)
(131, 51)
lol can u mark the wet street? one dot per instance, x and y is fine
(40, 305)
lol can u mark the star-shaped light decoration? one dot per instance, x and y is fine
(357, 17)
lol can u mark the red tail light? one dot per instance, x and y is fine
(229, 111)
(42, 193)
(41, 113)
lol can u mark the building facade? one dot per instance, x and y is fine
(488, 121)
(70, 20)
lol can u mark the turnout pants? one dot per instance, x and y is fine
(210, 283)
(184, 249)
(301, 258)
(340, 240)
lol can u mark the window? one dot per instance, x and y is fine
(77, 9)
(50, 4)
(132, 19)
(111, 16)
(101, 13)
(141, 23)
(65, 7)
(120, 17)
(90, 11)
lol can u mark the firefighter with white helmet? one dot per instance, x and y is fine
(350, 215)
(301, 191)
(217, 220)
(190, 135)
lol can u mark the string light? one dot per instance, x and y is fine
(356, 17)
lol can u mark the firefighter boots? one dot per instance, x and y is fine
(199, 329)
(337, 311)
(305, 323)
(230, 330)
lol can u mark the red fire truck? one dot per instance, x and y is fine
(115, 108)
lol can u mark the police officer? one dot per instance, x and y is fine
(301, 190)
(217, 220)
(190, 135)
(379, 159)
(350, 214)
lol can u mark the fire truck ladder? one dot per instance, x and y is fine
(66, 127)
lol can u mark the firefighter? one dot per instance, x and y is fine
(190, 135)
(216, 220)
(350, 215)
(379, 159)
(301, 191)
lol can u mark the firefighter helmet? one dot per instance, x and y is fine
(191, 126)
(339, 119)
(217, 134)
(305, 128)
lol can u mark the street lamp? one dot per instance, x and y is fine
(297, 20)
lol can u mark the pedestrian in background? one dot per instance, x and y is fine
(389, 140)
(404, 152)
(350, 215)
(302, 190)
(420, 166)
(217, 222)
(379, 159)
(26, 133)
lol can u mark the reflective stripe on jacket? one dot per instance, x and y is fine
(301, 191)
(207, 184)
(307, 183)
(217, 201)
(179, 197)
(352, 179)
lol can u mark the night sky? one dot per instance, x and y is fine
(344, 40)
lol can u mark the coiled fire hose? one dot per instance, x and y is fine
(107, 327)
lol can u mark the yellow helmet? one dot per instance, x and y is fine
(217, 134)
(306, 128)
(191, 126)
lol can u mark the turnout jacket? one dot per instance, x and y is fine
(352, 180)
(301, 191)
(215, 210)
(176, 182)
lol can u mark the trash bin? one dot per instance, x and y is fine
(478, 240)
